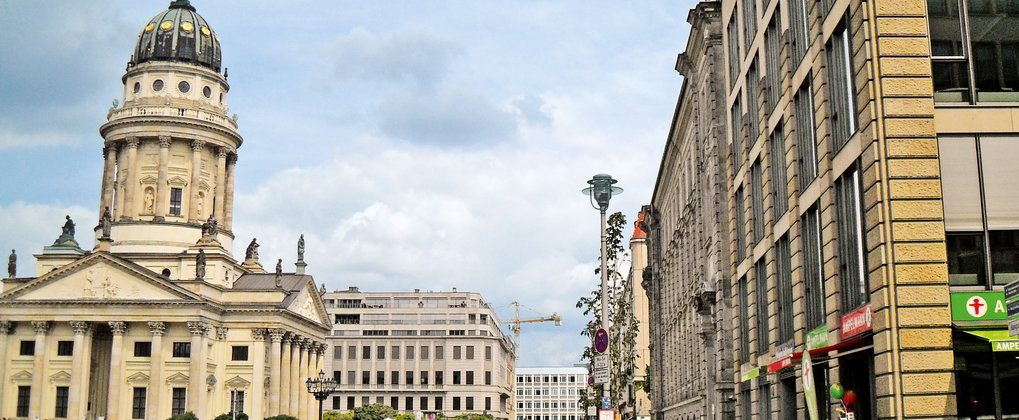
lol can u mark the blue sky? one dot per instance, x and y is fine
(416, 144)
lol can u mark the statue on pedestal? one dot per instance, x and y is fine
(300, 248)
(252, 252)
(279, 273)
(12, 265)
(106, 223)
(200, 265)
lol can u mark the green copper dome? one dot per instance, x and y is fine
(178, 34)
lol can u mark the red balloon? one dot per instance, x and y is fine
(849, 398)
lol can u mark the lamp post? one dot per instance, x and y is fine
(321, 387)
(600, 192)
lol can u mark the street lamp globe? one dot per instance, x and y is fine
(601, 191)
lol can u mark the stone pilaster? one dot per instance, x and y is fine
(221, 154)
(257, 392)
(131, 180)
(228, 200)
(288, 353)
(121, 181)
(275, 356)
(196, 169)
(162, 188)
(38, 368)
(113, 404)
(158, 328)
(196, 386)
(109, 170)
(79, 370)
(302, 405)
(6, 328)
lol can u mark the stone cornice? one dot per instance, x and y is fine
(143, 120)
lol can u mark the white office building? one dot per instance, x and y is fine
(550, 393)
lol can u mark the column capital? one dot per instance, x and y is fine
(41, 326)
(132, 142)
(164, 141)
(118, 327)
(259, 333)
(231, 159)
(276, 334)
(320, 348)
(157, 327)
(198, 327)
(306, 344)
(80, 327)
(221, 333)
(222, 152)
(197, 145)
(6, 327)
(109, 147)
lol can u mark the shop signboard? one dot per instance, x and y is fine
(783, 357)
(817, 338)
(978, 306)
(606, 414)
(1012, 303)
(809, 393)
(857, 322)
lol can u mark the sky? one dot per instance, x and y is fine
(416, 144)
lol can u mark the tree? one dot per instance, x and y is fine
(336, 415)
(281, 417)
(622, 328)
(374, 412)
(230, 416)
(186, 416)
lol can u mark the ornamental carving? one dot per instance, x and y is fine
(197, 327)
(6, 327)
(258, 333)
(221, 333)
(157, 327)
(41, 326)
(118, 327)
(99, 285)
(80, 327)
(276, 334)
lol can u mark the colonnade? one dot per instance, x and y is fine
(124, 194)
(285, 389)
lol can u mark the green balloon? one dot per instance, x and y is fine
(836, 391)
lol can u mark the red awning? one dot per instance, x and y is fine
(822, 351)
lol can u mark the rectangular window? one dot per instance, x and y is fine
(456, 403)
(456, 352)
(424, 377)
(757, 200)
(409, 377)
(394, 377)
(761, 307)
(842, 97)
(27, 348)
(239, 353)
(783, 271)
(746, 404)
(65, 348)
(744, 320)
(764, 400)
(813, 268)
(488, 377)
(366, 352)
(365, 377)
(851, 247)
(380, 352)
(737, 134)
(470, 352)
(439, 354)
(773, 61)
(438, 377)
(470, 377)
(138, 403)
(142, 349)
(438, 404)
(338, 376)
(749, 20)
(779, 181)
(237, 400)
(806, 143)
(488, 403)
(469, 403)
(488, 352)
(740, 226)
(753, 109)
(394, 402)
(351, 377)
(338, 352)
(177, 401)
(424, 352)
(350, 403)
(394, 353)
(424, 403)
(60, 410)
(24, 394)
(456, 377)
(181, 349)
(408, 403)
(410, 352)
(380, 377)
(798, 25)
(352, 352)
(176, 197)
(733, 50)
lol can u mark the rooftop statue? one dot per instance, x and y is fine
(252, 252)
(12, 265)
(300, 248)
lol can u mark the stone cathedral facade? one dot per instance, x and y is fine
(158, 317)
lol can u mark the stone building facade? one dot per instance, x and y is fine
(428, 352)
(640, 404)
(687, 279)
(550, 393)
(158, 318)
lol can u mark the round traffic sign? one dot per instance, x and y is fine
(590, 381)
(601, 340)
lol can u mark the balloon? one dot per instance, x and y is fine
(836, 391)
(849, 398)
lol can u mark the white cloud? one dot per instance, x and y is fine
(412, 55)
(27, 227)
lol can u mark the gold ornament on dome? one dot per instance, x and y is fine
(166, 25)
(187, 26)
(206, 31)
(150, 27)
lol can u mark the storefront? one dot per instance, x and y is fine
(986, 357)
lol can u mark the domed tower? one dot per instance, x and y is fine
(170, 150)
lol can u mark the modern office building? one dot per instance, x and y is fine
(158, 318)
(687, 279)
(429, 352)
(550, 393)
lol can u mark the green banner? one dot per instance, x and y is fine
(978, 306)
(809, 393)
(817, 338)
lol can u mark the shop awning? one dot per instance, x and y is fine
(999, 339)
(820, 352)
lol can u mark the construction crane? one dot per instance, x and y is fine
(516, 321)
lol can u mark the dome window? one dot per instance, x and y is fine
(207, 91)
(206, 31)
(137, 87)
(187, 26)
(150, 27)
(166, 25)
(157, 85)
(183, 86)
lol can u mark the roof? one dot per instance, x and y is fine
(267, 281)
(178, 34)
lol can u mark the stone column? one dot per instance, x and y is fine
(121, 181)
(118, 328)
(220, 181)
(258, 374)
(6, 328)
(228, 201)
(302, 391)
(196, 379)
(316, 365)
(155, 370)
(288, 346)
(78, 367)
(162, 188)
(131, 181)
(38, 368)
(295, 376)
(109, 170)
(275, 336)
(196, 169)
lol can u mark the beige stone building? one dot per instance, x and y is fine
(427, 352)
(158, 318)
(640, 404)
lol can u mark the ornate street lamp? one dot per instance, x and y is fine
(600, 192)
(321, 387)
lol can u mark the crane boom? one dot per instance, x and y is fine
(516, 321)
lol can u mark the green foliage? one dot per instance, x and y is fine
(186, 416)
(404, 416)
(281, 417)
(623, 325)
(473, 416)
(229, 416)
(336, 415)
(374, 412)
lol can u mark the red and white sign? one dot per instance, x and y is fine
(857, 322)
(976, 306)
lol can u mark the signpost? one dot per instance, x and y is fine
(601, 376)
(606, 403)
(1012, 302)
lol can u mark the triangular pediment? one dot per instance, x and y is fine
(308, 303)
(177, 378)
(100, 276)
(149, 179)
(60, 378)
(23, 376)
(177, 181)
(138, 378)
(237, 382)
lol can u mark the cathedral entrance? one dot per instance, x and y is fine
(99, 371)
